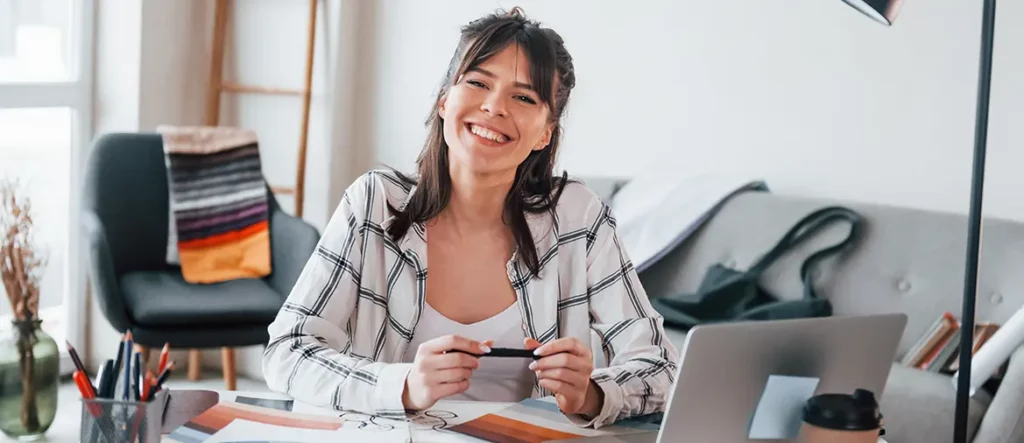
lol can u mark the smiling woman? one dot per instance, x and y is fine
(496, 120)
(518, 258)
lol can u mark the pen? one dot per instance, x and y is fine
(80, 366)
(74, 357)
(164, 353)
(105, 380)
(84, 386)
(120, 354)
(503, 352)
(160, 379)
(148, 381)
(137, 377)
(126, 389)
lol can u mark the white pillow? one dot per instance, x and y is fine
(657, 212)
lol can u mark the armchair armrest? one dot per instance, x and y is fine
(292, 242)
(103, 274)
(1004, 420)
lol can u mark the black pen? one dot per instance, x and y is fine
(120, 355)
(136, 376)
(504, 352)
(106, 378)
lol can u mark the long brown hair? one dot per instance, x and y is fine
(534, 188)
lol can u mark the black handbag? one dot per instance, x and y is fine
(729, 295)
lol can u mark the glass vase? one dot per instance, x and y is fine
(29, 370)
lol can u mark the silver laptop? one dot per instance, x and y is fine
(723, 370)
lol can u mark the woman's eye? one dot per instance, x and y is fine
(526, 99)
(476, 83)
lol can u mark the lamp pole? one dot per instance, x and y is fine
(974, 222)
(885, 12)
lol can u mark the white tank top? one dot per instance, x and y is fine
(500, 379)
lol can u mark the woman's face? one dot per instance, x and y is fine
(492, 117)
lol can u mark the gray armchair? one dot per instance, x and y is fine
(125, 216)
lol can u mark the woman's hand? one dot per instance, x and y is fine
(565, 369)
(437, 373)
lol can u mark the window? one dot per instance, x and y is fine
(45, 126)
(36, 40)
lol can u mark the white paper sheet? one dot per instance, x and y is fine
(656, 211)
(994, 352)
(779, 412)
(244, 431)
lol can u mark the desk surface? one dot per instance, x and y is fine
(186, 404)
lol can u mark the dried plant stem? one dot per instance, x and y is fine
(10, 286)
(26, 360)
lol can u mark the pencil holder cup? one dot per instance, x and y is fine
(106, 420)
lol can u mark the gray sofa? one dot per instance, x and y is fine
(909, 261)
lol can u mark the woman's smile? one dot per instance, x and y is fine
(487, 135)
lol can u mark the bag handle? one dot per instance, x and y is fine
(805, 228)
(812, 260)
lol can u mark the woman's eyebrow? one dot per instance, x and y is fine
(490, 74)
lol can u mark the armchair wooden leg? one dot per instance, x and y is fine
(228, 365)
(195, 367)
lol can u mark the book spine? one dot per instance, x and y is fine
(916, 353)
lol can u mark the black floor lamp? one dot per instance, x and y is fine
(885, 11)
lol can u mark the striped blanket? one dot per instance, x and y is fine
(218, 229)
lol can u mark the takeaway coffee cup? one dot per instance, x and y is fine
(842, 418)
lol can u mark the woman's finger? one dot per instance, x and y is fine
(568, 361)
(573, 378)
(564, 345)
(451, 343)
(451, 360)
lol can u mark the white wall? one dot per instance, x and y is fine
(814, 98)
(807, 94)
(152, 68)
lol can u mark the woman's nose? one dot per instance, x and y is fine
(494, 105)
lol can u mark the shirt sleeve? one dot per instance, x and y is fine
(308, 355)
(642, 365)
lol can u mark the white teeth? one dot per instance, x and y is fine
(487, 133)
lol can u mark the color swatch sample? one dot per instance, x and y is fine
(534, 421)
(220, 209)
(205, 425)
(281, 405)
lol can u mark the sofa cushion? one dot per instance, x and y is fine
(920, 406)
(164, 298)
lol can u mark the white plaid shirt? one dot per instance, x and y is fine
(340, 337)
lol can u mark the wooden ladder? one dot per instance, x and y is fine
(218, 86)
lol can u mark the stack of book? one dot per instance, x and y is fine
(938, 350)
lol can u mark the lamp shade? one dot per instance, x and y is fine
(882, 11)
